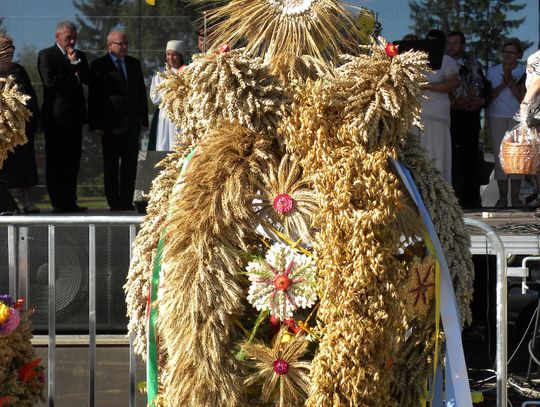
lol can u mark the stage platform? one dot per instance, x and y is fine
(519, 230)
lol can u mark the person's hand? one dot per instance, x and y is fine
(99, 132)
(460, 102)
(71, 54)
(474, 103)
(521, 116)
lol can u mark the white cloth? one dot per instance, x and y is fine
(435, 115)
(533, 67)
(505, 105)
(176, 46)
(166, 131)
(437, 141)
(437, 104)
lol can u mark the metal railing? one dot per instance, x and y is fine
(51, 222)
(501, 357)
(132, 222)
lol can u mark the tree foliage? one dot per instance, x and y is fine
(485, 23)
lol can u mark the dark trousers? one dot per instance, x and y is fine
(465, 132)
(120, 152)
(62, 162)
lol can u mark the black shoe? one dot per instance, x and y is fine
(30, 209)
(115, 208)
(128, 207)
(70, 209)
(78, 208)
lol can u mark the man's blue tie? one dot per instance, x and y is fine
(120, 66)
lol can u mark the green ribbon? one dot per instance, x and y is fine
(152, 362)
(151, 365)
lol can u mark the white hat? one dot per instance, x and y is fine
(176, 46)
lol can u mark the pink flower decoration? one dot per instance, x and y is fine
(281, 366)
(283, 203)
(11, 324)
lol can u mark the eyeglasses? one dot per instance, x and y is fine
(122, 44)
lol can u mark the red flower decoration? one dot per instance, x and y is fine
(281, 366)
(391, 50)
(224, 48)
(28, 370)
(283, 203)
(291, 324)
(19, 303)
(5, 400)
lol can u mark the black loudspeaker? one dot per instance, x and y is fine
(72, 272)
(146, 172)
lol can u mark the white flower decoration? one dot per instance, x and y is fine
(291, 7)
(282, 283)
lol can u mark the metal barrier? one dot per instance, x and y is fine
(14, 222)
(51, 222)
(501, 356)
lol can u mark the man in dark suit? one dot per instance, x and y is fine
(63, 70)
(118, 112)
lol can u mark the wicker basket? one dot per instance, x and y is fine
(520, 154)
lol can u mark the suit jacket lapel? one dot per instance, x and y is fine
(112, 68)
(59, 55)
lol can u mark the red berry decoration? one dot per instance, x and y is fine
(391, 50)
(282, 282)
(224, 48)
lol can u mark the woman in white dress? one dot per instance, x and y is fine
(436, 111)
(166, 131)
(506, 94)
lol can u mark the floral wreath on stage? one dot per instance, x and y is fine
(21, 374)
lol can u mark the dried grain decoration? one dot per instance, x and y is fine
(321, 29)
(360, 311)
(447, 217)
(376, 97)
(291, 68)
(287, 182)
(414, 361)
(13, 116)
(343, 129)
(202, 291)
(222, 86)
(284, 376)
(139, 276)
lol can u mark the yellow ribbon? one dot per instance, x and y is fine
(431, 249)
(287, 240)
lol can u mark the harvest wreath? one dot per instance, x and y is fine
(299, 247)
